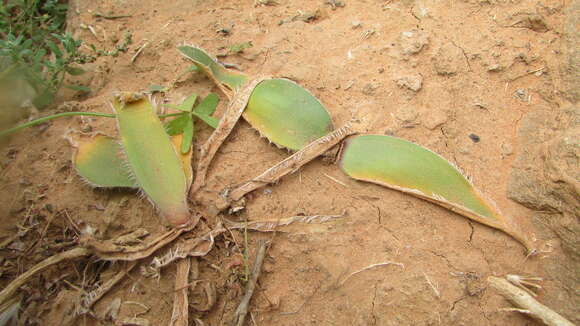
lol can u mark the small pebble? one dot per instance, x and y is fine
(474, 137)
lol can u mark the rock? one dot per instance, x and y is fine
(545, 178)
(413, 41)
(448, 60)
(534, 22)
(475, 138)
(369, 89)
(546, 175)
(412, 82)
(407, 116)
(434, 119)
(495, 68)
(506, 149)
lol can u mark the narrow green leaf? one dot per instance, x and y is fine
(54, 49)
(240, 47)
(79, 88)
(188, 132)
(212, 68)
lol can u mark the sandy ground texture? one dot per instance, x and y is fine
(491, 85)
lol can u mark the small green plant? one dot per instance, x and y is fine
(281, 110)
(150, 156)
(291, 117)
(35, 48)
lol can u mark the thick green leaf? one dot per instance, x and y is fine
(100, 162)
(408, 167)
(153, 160)
(287, 114)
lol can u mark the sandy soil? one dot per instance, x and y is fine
(457, 77)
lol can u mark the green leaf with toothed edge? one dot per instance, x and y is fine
(287, 114)
(408, 167)
(400, 163)
(99, 161)
(152, 158)
(211, 67)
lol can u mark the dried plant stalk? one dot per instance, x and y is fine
(13, 286)
(201, 246)
(180, 315)
(292, 163)
(227, 122)
(242, 310)
(88, 300)
(109, 250)
(523, 300)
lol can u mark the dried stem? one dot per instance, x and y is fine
(180, 316)
(242, 311)
(88, 300)
(530, 306)
(109, 250)
(292, 163)
(9, 290)
(233, 113)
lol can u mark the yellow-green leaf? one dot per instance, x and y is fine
(408, 167)
(287, 114)
(154, 162)
(100, 162)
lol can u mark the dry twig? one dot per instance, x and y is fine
(233, 113)
(180, 314)
(530, 306)
(369, 267)
(242, 311)
(9, 290)
(292, 163)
